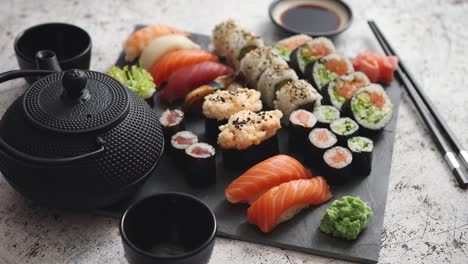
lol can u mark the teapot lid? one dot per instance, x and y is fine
(76, 101)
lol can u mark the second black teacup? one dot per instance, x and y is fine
(168, 228)
(71, 44)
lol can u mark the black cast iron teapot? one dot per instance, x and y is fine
(77, 139)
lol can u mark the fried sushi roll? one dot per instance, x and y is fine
(362, 149)
(339, 91)
(271, 80)
(256, 61)
(298, 94)
(310, 52)
(327, 69)
(249, 138)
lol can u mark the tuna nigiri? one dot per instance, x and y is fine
(175, 60)
(190, 77)
(139, 39)
(157, 48)
(282, 202)
(377, 67)
(263, 176)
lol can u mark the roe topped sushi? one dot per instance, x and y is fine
(222, 103)
(247, 128)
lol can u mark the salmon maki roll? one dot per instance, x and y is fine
(175, 60)
(282, 202)
(263, 176)
(135, 44)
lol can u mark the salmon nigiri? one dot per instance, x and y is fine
(263, 176)
(141, 38)
(175, 60)
(282, 202)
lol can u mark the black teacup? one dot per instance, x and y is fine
(71, 44)
(168, 228)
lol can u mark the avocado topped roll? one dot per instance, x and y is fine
(310, 52)
(256, 61)
(371, 107)
(344, 128)
(342, 89)
(298, 94)
(325, 115)
(220, 105)
(327, 69)
(249, 138)
(271, 80)
(286, 46)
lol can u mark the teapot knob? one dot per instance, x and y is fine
(74, 82)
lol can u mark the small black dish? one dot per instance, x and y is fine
(311, 17)
(168, 228)
(71, 44)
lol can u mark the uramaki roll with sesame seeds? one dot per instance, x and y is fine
(249, 138)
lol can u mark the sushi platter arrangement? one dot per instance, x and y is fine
(290, 144)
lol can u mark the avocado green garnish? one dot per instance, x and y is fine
(346, 127)
(329, 114)
(365, 110)
(361, 144)
(346, 218)
(339, 98)
(326, 76)
(307, 58)
(283, 52)
(136, 79)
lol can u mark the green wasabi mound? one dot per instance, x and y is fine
(346, 218)
(136, 78)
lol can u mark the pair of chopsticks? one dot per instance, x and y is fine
(442, 135)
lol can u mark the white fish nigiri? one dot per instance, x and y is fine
(157, 48)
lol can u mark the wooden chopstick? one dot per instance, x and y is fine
(425, 111)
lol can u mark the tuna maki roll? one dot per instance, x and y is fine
(249, 138)
(286, 46)
(319, 140)
(271, 80)
(220, 105)
(371, 108)
(301, 122)
(362, 149)
(298, 94)
(172, 121)
(325, 115)
(342, 89)
(310, 52)
(344, 128)
(256, 61)
(327, 69)
(337, 165)
(180, 141)
(201, 165)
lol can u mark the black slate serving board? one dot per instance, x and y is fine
(300, 233)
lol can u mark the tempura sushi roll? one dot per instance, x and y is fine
(362, 149)
(201, 164)
(222, 104)
(286, 46)
(343, 88)
(327, 69)
(249, 138)
(310, 52)
(301, 123)
(271, 80)
(298, 94)
(326, 114)
(180, 141)
(344, 128)
(337, 165)
(319, 140)
(256, 61)
(371, 108)
(172, 121)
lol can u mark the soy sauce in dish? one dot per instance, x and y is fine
(310, 18)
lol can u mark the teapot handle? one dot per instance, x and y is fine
(10, 151)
